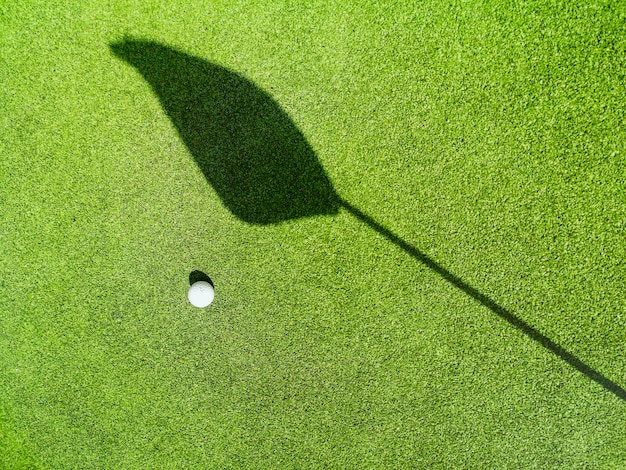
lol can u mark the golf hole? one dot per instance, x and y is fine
(201, 290)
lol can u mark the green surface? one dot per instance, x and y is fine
(466, 310)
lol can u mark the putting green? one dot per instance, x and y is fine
(413, 216)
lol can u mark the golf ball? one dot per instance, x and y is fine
(201, 294)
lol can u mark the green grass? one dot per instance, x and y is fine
(486, 136)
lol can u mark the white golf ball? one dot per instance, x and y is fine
(201, 294)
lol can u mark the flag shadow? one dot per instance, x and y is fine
(262, 167)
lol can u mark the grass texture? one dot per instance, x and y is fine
(432, 275)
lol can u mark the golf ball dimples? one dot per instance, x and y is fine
(201, 294)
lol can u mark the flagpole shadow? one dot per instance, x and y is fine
(500, 311)
(262, 167)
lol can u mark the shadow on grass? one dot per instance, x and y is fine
(261, 165)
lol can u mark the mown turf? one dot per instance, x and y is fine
(487, 136)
